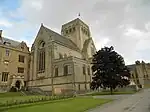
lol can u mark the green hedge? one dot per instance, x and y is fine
(36, 99)
(10, 94)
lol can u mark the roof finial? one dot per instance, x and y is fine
(1, 33)
(79, 14)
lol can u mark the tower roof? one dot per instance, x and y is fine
(77, 20)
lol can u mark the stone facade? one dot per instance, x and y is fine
(14, 61)
(66, 58)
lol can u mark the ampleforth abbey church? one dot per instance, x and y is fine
(56, 62)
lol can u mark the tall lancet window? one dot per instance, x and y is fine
(41, 58)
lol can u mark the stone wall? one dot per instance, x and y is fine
(62, 50)
(128, 88)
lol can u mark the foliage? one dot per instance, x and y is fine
(13, 89)
(109, 70)
(108, 93)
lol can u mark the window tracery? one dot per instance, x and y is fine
(41, 57)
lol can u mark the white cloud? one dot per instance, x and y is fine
(141, 37)
(36, 4)
(22, 31)
(102, 43)
(147, 26)
(5, 23)
(133, 32)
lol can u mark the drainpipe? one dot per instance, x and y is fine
(74, 85)
(85, 77)
(52, 71)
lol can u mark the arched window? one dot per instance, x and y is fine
(22, 46)
(70, 30)
(88, 69)
(41, 57)
(41, 45)
(65, 55)
(56, 71)
(85, 31)
(74, 28)
(60, 56)
(66, 31)
(84, 70)
(66, 70)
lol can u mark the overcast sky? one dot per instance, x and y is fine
(124, 24)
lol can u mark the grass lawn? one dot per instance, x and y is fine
(108, 93)
(73, 105)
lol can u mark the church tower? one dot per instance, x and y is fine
(77, 31)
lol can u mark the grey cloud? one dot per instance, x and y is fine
(106, 18)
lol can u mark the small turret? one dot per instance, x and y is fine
(1, 36)
(137, 62)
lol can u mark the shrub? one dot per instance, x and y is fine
(32, 100)
(13, 89)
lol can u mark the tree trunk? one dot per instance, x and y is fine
(111, 90)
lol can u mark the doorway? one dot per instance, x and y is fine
(17, 85)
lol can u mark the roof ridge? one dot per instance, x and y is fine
(10, 39)
(60, 35)
(76, 19)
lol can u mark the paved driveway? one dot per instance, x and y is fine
(139, 102)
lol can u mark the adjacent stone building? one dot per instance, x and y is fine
(14, 61)
(140, 73)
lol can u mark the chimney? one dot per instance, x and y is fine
(1, 33)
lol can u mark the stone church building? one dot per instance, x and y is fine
(61, 62)
(56, 62)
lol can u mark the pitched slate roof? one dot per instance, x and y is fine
(77, 20)
(12, 42)
(131, 67)
(61, 39)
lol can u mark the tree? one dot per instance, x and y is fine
(109, 70)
